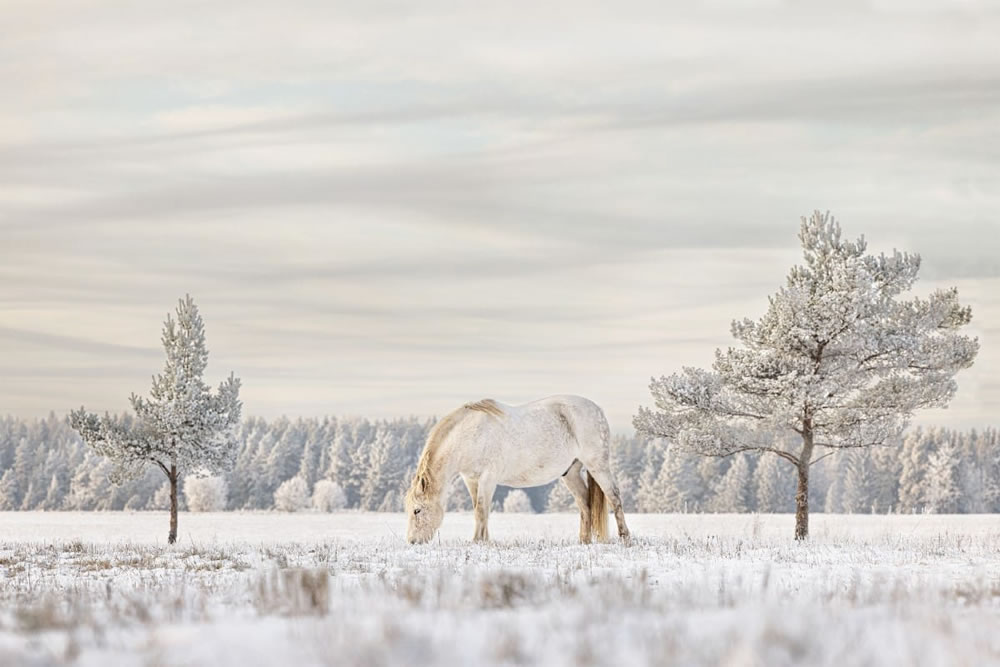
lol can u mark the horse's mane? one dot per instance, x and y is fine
(426, 474)
(487, 405)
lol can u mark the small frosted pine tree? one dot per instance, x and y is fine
(328, 496)
(560, 499)
(458, 497)
(160, 500)
(292, 495)
(183, 427)
(205, 494)
(517, 501)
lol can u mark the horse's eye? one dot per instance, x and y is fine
(416, 511)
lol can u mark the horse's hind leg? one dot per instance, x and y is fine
(603, 477)
(574, 482)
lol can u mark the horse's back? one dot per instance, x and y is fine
(558, 402)
(555, 431)
(565, 403)
(581, 415)
(531, 443)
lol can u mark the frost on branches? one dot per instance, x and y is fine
(183, 427)
(292, 495)
(328, 496)
(206, 494)
(838, 359)
(517, 501)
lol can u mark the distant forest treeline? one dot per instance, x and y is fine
(45, 466)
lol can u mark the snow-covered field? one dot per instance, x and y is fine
(344, 589)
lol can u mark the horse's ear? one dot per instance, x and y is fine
(423, 483)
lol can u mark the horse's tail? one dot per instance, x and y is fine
(598, 509)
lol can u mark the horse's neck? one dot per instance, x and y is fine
(443, 469)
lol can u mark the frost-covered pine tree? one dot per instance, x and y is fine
(941, 490)
(15, 481)
(858, 493)
(709, 472)
(328, 496)
(183, 427)
(990, 448)
(646, 496)
(292, 495)
(517, 501)
(315, 441)
(733, 491)
(677, 485)
(838, 359)
(627, 459)
(341, 460)
(283, 461)
(161, 498)
(834, 495)
(560, 499)
(380, 461)
(886, 469)
(917, 446)
(205, 494)
(773, 485)
(53, 497)
(359, 470)
(459, 499)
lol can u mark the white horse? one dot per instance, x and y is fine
(489, 443)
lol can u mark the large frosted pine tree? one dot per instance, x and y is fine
(838, 359)
(183, 427)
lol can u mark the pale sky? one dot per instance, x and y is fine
(394, 208)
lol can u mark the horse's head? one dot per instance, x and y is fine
(424, 512)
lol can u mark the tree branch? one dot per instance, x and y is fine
(820, 458)
(161, 466)
(856, 445)
(754, 448)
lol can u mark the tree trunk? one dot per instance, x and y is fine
(802, 493)
(172, 537)
(802, 502)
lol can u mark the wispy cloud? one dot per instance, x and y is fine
(385, 210)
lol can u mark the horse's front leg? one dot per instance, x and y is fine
(484, 497)
(472, 484)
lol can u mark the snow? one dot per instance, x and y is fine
(344, 589)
